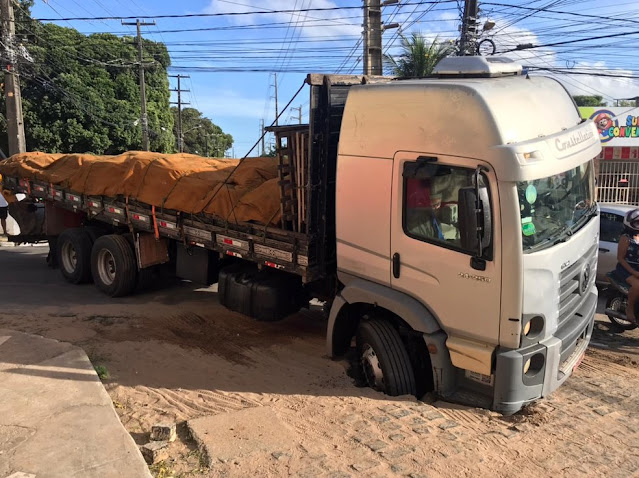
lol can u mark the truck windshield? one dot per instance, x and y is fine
(553, 208)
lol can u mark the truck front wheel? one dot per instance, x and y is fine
(113, 265)
(383, 358)
(73, 255)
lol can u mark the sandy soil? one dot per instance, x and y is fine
(175, 355)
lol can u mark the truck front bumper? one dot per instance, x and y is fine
(561, 353)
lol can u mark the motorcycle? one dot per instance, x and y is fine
(617, 303)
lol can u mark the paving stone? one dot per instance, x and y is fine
(417, 421)
(397, 468)
(421, 430)
(380, 418)
(375, 445)
(402, 412)
(338, 474)
(432, 415)
(447, 436)
(310, 473)
(279, 455)
(395, 453)
(163, 432)
(603, 411)
(361, 425)
(155, 451)
(397, 437)
(349, 419)
(448, 424)
(364, 465)
(389, 408)
(390, 426)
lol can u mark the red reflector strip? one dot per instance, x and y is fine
(115, 210)
(228, 241)
(94, 204)
(140, 217)
(273, 265)
(40, 189)
(166, 225)
(234, 254)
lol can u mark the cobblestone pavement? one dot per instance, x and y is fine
(175, 355)
(588, 428)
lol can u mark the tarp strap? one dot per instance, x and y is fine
(155, 223)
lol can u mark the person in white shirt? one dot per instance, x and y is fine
(4, 206)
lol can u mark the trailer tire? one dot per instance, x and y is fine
(113, 265)
(73, 255)
(384, 359)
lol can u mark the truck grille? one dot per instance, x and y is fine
(571, 281)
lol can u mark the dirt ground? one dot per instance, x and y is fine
(175, 355)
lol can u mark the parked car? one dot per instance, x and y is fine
(611, 229)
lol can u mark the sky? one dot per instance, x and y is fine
(232, 54)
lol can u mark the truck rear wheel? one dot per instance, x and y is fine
(384, 360)
(113, 265)
(73, 255)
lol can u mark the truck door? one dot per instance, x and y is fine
(429, 261)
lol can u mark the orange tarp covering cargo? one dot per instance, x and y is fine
(231, 190)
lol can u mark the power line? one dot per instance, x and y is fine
(224, 14)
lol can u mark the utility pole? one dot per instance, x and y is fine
(468, 40)
(144, 119)
(13, 97)
(373, 30)
(262, 135)
(299, 113)
(277, 112)
(179, 103)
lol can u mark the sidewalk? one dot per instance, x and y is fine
(56, 419)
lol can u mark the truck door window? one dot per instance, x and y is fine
(430, 204)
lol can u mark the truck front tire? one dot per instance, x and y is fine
(113, 265)
(383, 358)
(73, 255)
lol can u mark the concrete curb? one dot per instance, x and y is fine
(56, 418)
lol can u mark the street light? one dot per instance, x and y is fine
(181, 137)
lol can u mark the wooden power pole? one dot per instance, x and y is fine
(144, 119)
(13, 98)
(180, 103)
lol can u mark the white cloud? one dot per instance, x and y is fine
(315, 23)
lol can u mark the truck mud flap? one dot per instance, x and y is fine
(263, 295)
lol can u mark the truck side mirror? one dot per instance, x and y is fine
(475, 220)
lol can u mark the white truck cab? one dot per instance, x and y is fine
(465, 213)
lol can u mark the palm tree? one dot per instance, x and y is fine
(418, 57)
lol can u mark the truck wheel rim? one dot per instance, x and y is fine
(69, 257)
(372, 368)
(106, 267)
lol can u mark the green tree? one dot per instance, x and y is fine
(418, 57)
(80, 93)
(201, 135)
(595, 100)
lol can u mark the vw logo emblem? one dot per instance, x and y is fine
(584, 280)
